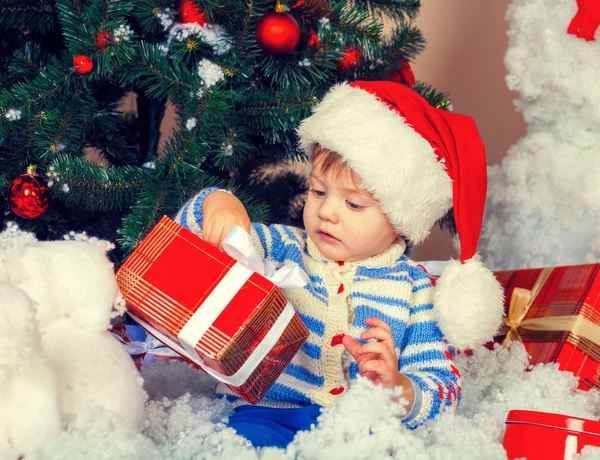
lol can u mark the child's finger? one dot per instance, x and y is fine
(207, 230)
(370, 375)
(380, 348)
(380, 334)
(352, 345)
(374, 366)
(377, 323)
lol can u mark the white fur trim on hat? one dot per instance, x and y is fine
(469, 303)
(396, 164)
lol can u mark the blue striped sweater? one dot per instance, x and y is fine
(337, 300)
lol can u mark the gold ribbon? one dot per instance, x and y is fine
(520, 303)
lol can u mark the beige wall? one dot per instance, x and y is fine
(466, 43)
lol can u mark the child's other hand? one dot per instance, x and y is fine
(376, 360)
(221, 212)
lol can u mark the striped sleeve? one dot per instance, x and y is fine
(278, 243)
(425, 359)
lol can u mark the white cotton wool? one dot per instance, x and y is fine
(542, 206)
(67, 279)
(362, 424)
(29, 402)
(94, 370)
(168, 378)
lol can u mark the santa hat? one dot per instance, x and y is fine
(418, 162)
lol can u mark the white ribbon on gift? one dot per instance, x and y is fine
(151, 346)
(238, 244)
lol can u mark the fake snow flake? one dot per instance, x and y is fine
(149, 165)
(52, 175)
(13, 115)
(324, 22)
(57, 147)
(165, 16)
(65, 188)
(210, 72)
(227, 150)
(304, 63)
(190, 124)
(123, 33)
(212, 34)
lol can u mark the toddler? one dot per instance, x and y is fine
(384, 163)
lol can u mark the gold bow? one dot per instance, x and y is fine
(520, 303)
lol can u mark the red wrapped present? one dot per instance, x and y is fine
(220, 313)
(544, 436)
(555, 312)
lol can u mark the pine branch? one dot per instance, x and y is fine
(436, 98)
(30, 94)
(84, 185)
(153, 72)
(398, 11)
(37, 16)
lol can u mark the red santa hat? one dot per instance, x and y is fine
(418, 162)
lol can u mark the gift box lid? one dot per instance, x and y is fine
(550, 420)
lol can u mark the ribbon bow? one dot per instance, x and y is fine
(238, 244)
(520, 303)
(137, 343)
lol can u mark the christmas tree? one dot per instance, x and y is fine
(240, 74)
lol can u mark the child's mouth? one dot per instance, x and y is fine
(327, 237)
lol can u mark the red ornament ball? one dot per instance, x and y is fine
(189, 13)
(103, 39)
(28, 195)
(350, 59)
(83, 64)
(277, 33)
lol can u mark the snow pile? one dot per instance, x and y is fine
(59, 363)
(543, 200)
(67, 389)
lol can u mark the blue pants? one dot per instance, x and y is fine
(270, 427)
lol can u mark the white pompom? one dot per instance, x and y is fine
(469, 303)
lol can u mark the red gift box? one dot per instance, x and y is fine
(544, 436)
(555, 312)
(220, 315)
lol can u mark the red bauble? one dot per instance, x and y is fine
(189, 13)
(103, 39)
(277, 32)
(403, 75)
(350, 59)
(83, 64)
(28, 195)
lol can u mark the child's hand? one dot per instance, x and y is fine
(376, 360)
(221, 212)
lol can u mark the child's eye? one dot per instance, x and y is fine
(354, 206)
(318, 193)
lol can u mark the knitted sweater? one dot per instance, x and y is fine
(339, 298)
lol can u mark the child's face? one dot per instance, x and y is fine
(342, 219)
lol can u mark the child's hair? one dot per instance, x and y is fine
(328, 160)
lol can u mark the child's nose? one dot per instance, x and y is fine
(328, 211)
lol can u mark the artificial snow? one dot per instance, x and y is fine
(542, 207)
(68, 389)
